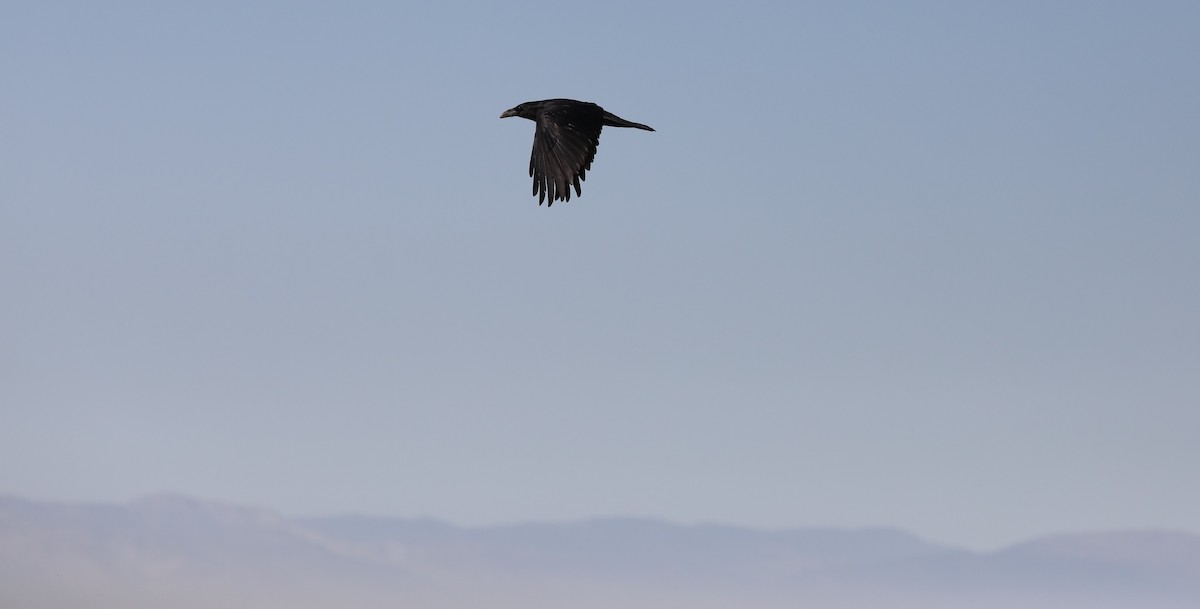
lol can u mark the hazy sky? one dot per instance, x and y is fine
(928, 264)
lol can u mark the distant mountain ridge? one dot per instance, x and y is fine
(172, 550)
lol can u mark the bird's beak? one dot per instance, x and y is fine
(508, 113)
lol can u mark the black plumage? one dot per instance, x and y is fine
(565, 138)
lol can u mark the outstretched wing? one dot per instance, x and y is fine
(564, 144)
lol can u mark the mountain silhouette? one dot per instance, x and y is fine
(172, 550)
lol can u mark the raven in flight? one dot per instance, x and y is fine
(564, 143)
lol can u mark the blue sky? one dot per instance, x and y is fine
(921, 264)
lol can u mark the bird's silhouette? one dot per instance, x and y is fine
(565, 138)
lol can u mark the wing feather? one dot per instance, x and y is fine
(564, 145)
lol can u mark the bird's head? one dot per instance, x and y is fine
(525, 110)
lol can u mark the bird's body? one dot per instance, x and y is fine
(564, 143)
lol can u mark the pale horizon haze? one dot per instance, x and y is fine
(921, 264)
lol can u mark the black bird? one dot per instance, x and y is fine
(564, 143)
